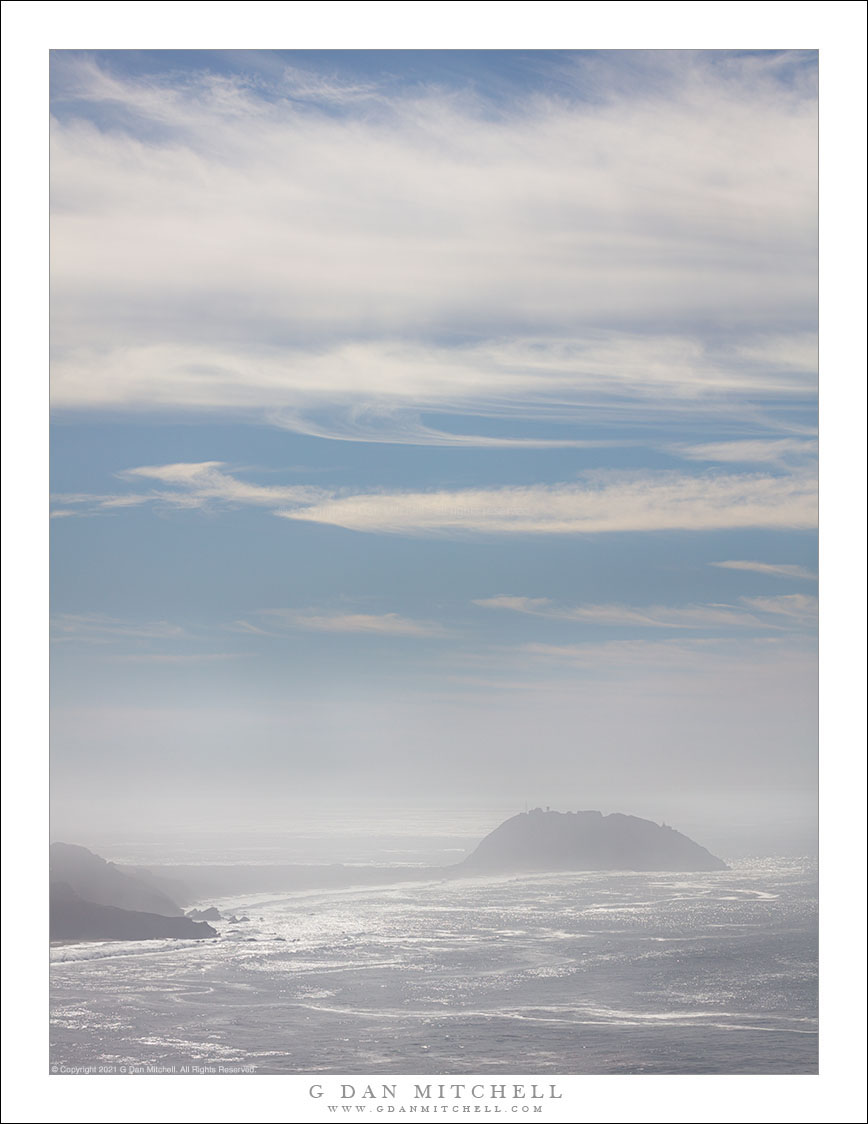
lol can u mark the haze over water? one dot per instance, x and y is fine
(566, 973)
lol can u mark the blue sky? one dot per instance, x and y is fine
(435, 423)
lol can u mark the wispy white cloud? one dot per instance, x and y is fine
(604, 503)
(382, 624)
(97, 628)
(188, 485)
(83, 503)
(536, 606)
(206, 222)
(205, 480)
(654, 616)
(178, 657)
(796, 352)
(452, 217)
(772, 569)
(601, 502)
(792, 606)
(750, 612)
(772, 451)
(375, 390)
(704, 657)
(152, 642)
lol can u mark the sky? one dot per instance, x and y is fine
(435, 429)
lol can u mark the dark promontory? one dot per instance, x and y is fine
(552, 841)
(74, 919)
(103, 883)
(92, 899)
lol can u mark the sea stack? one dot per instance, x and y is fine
(548, 841)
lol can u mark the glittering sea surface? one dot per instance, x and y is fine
(562, 974)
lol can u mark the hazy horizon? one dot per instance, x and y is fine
(347, 831)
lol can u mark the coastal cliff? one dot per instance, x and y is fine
(74, 919)
(103, 883)
(91, 899)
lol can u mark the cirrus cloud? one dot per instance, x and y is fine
(340, 256)
(603, 503)
(380, 624)
(771, 569)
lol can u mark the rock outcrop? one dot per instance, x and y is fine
(553, 841)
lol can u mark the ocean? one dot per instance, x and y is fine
(579, 973)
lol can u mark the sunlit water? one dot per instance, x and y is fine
(566, 973)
